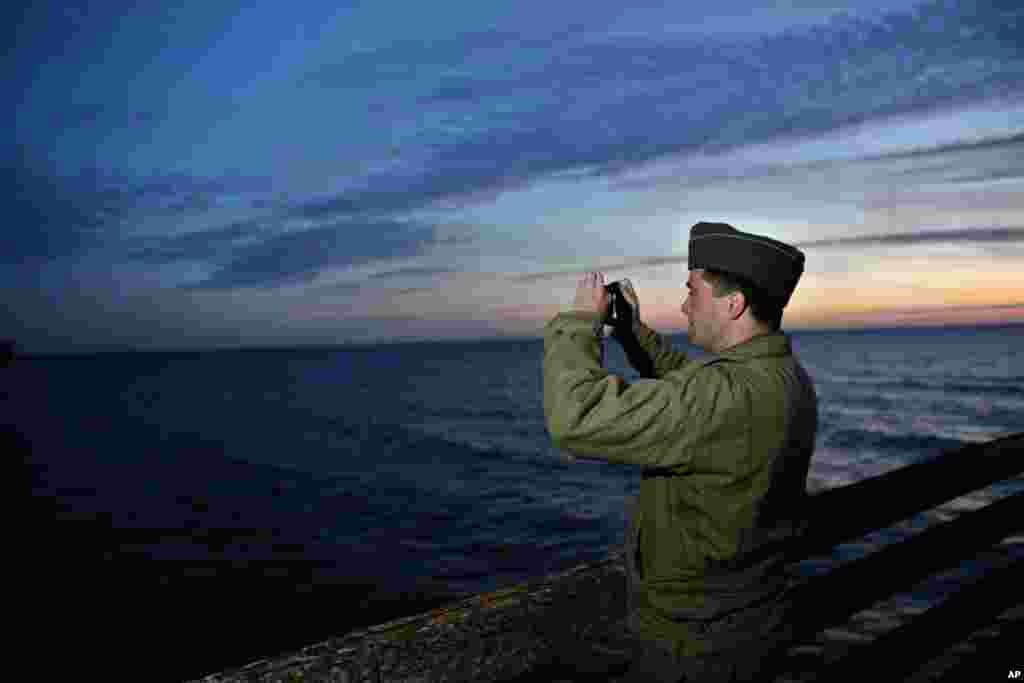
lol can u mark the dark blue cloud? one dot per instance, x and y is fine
(632, 100)
(172, 194)
(566, 95)
(396, 194)
(608, 102)
(204, 245)
(56, 218)
(95, 82)
(53, 216)
(46, 219)
(297, 257)
(106, 115)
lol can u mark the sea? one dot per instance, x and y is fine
(273, 497)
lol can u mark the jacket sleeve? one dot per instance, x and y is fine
(665, 360)
(653, 423)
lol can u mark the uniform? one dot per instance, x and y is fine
(724, 445)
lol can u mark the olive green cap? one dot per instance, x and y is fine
(772, 265)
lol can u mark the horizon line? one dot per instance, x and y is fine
(362, 345)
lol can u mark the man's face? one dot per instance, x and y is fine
(703, 311)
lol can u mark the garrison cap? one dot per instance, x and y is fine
(773, 266)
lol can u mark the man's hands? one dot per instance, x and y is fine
(591, 295)
(630, 339)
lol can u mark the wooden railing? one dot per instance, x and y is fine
(515, 632)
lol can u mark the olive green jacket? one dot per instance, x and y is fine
(724, 443)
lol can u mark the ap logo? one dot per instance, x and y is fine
(1015, 674)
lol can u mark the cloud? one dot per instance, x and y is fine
(415, 59)
(996, 235)
(988, 176)
(582, 97)
(973, 235)
(369, 280)
(108, 116)
(486, 111)
(981, 150)
(299, 256)
(632, 264)
(175, 193)
(931, 310)
(202, 245)
(454, 182)
(56, 216)
(403, 272)
(100, 313)
(344, 286)
(61, 217)
(489, 116)
(47, 218)
(973, 145)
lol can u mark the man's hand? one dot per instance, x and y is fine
(591, 295)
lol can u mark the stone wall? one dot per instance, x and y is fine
(488, 637)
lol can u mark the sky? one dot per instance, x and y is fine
(216, 175)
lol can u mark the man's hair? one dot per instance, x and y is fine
(765, 309)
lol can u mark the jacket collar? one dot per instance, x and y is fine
(773, 344)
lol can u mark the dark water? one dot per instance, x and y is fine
(267, 499)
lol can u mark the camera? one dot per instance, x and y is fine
(620, 316)
(620, 312)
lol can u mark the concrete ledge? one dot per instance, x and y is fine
(488, 637)
(514, 634)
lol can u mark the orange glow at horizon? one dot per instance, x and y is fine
(898, 292)
(926, 286)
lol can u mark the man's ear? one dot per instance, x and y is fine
(737, 304)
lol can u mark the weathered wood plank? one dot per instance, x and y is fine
(906, 491)
(831, 599)
(902, 650)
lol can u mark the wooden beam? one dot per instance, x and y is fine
(993, 659)
(840, 514)
(906, 648)
(830, 599)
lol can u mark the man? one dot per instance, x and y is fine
(724, 444)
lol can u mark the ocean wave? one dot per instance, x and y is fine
(997, 389)
(845, 402)
(859, 440)
(508, 436)
(861, 379)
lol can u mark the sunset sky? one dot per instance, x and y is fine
(215, 174)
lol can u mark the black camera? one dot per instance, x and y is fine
(620, 316)
(620, 312)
